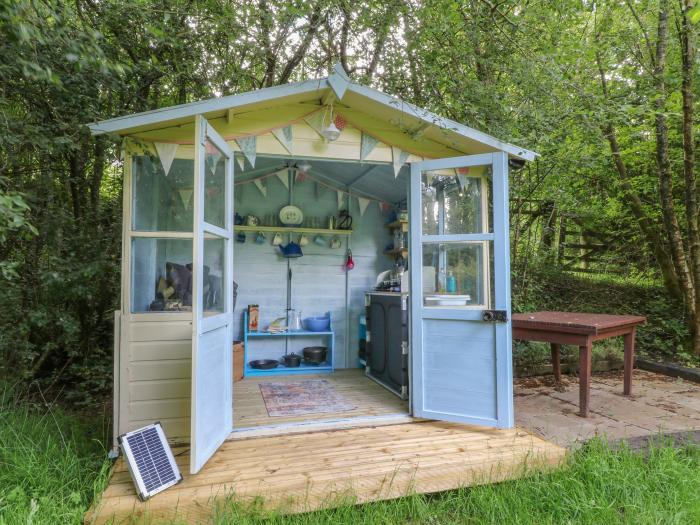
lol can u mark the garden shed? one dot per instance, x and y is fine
(326, 197)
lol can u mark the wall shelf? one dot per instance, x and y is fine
(290, 229)
(397, 251)
(403, 225)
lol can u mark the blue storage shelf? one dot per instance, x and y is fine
(304, 368)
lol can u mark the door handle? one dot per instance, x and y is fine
(495, 316)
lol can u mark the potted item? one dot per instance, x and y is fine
(292, 360)
(315, 355)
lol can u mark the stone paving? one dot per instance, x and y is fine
(658, 404)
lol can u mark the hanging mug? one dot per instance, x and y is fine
(335, 242)
(277, 239)
(303, 240)
(260, 238)
(240, 237)
(318, 240)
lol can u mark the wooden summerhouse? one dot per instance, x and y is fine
(355, 208)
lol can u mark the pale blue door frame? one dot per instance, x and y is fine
(461, 365)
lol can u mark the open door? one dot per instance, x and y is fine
(460, 290)
(212, 295)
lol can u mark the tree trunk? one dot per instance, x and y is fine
(668, 213)
(691, 204)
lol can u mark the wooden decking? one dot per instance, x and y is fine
(369, 399)
(304, 472)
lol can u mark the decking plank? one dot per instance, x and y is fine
(303, 472)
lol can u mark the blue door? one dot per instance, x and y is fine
(460, 290)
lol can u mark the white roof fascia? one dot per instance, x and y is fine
(157, 116)
(436, 120)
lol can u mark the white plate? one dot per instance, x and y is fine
(291, 216)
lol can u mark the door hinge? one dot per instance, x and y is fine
(404, 302)
(495, 316)
(367, 336)
(404, 347)
(404, 391)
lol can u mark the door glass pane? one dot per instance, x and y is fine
(214, 274)
(454, 201)
(161, 275)
(161, 202)
(214, 185)
(456, 274)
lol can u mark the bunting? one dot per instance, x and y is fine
(285, 137)
(248, 146)
(241, 162)
(212, 156)
(399, 158)
(341, 198)
(367, 145)
(283, 176)
(363, 203)
(315, 120)
(166, 154)
(260, 184)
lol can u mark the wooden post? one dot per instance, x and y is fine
(629, 360)
(556, 361)
(584, 376)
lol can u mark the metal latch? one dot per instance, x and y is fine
(495, 316)
(404, 347)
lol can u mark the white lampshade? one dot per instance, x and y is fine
(331, 133)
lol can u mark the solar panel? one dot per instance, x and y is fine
(150, 460)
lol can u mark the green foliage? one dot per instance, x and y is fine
(663, 337)
(52, 463)
(596, 485)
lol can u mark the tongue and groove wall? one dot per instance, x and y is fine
(318, 278)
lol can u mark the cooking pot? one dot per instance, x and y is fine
(315, 354)
(292, 360)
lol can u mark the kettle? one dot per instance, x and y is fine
(291, 251)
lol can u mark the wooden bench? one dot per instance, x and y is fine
(580, 329)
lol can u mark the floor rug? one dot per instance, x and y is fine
(311, 396)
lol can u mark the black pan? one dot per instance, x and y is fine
(315, 354)
(264, 364)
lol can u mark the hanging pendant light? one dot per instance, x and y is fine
(349, 263)
(331, 132)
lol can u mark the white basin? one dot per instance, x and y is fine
(446, 300)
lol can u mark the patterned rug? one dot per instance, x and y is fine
(311, 396)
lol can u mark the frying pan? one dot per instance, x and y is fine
(264, 364)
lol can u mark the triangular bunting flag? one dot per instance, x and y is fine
(284, 136)
(315, 121)
(248, 146)
(213, 155)
(367, 145)
(241, 162)
(341, 198)
(462, 179)
(283, 176)
(166, 154)
(185, 196)
(399, 158)
(363, 203)
(259, 183)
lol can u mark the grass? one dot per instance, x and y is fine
(52, 465)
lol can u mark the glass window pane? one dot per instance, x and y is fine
(456, 274)
(160, 202)
(452, 201)
(161, 275)
(214, 274)
(214, 185)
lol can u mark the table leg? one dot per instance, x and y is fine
(629, 360)
(556, 361)
(584, 377)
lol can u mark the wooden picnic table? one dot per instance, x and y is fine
(580, 329)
